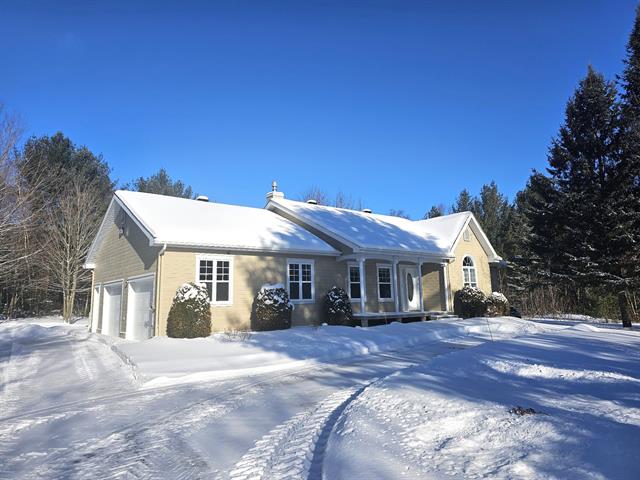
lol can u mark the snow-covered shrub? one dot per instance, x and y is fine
(337, 307)
(273, 308)
(470, 302)
(497, 305)
(190, 313)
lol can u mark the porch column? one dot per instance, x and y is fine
(445, 279)
(363, 291)
(394, 284)
(420, 285)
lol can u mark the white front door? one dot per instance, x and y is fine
(111, 306)
(139, 309)
(409, 285)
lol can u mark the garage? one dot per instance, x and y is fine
(111, 308)
(140, 308)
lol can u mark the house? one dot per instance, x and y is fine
(392, 268)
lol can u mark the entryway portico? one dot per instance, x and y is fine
(393, 287)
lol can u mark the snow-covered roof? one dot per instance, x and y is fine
(184, 222)
(434, 237)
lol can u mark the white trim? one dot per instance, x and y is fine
(445, 277)
(473, 223)
(363, 286)
(215, 259)
(95, 307)
(351, 265)
(471, 268)
(388, 266)
(395, 281)
(306, 261)
(227, 248)
(420, 285)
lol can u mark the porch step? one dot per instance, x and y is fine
(442, 316)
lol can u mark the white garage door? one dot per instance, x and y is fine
(95, 309)
(139, 309)
(111, 306)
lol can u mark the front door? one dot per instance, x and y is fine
(409, 288)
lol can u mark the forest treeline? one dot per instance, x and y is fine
(570, 239)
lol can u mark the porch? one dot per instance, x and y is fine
(392, 288)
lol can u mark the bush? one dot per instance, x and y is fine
(470, 302)
(190, 313)
(273, 308)
(337, 307)
(497, 305)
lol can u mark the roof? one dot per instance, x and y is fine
(436, 237)
(185, 222)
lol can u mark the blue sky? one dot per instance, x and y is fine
(401, 104)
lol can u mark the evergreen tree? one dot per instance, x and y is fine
(572, 212)
(70, 190)
(492, 211)
(464, 202)
(627, 186)
(436, 211)
(162, 184)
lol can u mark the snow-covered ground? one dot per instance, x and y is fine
(429, 398)
(454, 416)
(167, 361)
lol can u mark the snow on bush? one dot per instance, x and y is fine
(497, 305)
(273, 308)
(470, 302)
(190, 313)
(337, 307)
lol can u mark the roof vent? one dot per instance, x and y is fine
(312, 201)
(202, 198)
(366, 210)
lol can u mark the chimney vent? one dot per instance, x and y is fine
(366, 210)
(312, 201)
(202, 198)
(274, 193)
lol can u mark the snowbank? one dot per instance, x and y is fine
(467, 414)
(163, 361)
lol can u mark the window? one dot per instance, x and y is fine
(384, 283)
(353, 282)
(300, 280)
(469, 272)
(215, 273)
(466, 235)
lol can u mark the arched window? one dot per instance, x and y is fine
(469, 272)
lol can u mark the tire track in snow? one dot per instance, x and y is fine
(295, 449)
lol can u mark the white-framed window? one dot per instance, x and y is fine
(466, 235)
(469, 278)
(353, 281)
(300, 280)
(215, 272)
(385, 289)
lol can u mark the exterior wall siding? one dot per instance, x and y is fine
(122, 257)
(433, 287)
(481, 262)
(250, 272)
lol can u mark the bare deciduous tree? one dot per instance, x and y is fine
(70, 231)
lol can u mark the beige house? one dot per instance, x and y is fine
(392, 268)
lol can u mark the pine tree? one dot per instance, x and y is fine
(464, 202)
(571, 212)
(627, 186)
(435, 211)
(162, 184)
